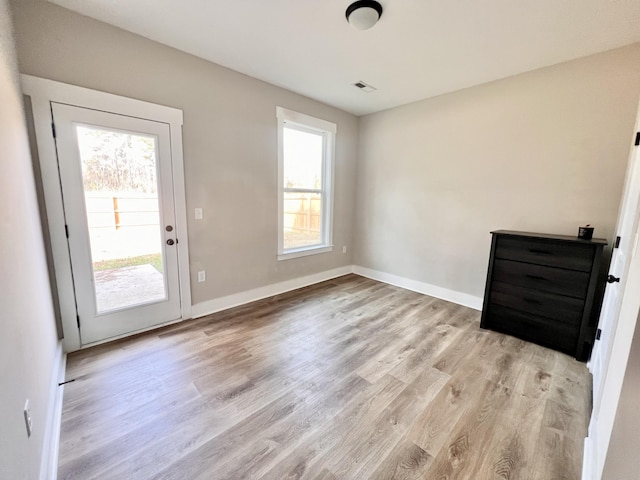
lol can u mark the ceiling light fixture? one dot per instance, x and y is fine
(364, 14)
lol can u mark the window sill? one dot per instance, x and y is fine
(303, 252)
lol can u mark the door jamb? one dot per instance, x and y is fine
(43, 92)
(600, 429)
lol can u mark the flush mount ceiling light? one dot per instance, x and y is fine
(364, 14)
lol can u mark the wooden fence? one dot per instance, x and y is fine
(302, 219)
(105, 210)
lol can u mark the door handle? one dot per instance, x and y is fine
(170, 241)
(612, 279)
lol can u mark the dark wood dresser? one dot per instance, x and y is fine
(541, 288)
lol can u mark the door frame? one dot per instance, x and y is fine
(614, 367)
(43, 92)
(601, 425)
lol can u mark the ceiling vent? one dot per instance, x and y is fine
(364, 87)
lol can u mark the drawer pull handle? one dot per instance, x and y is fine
(536, 277)
(532, 301)
(539, 252)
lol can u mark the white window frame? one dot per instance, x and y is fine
(328, 131)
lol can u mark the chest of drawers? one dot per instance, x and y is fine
(542, 288)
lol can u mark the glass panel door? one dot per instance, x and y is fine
(123, 215)
(117, 189)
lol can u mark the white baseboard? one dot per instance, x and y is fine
(218, 304)
(49, 460)
(460, 298)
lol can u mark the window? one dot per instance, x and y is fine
(305, 177)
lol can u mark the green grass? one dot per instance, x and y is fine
(155, 260)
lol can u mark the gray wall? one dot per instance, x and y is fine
(229, 141)
(29, 341)
(544, 151)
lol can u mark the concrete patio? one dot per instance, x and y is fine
(123, 287)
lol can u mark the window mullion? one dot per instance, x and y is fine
(303, 190)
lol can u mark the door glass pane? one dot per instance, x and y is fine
(302, 219)
(119, 173)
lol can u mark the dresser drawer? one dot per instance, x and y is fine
(548, 279)
(527, 326)
(551, 254)
(560, 308)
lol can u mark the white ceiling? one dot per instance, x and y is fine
(419, 49)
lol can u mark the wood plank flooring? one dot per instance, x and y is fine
(347, 379)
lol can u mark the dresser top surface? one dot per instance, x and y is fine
(549, 236)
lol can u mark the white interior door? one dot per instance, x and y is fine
(617, 270)
(614, 327)
(117, 187)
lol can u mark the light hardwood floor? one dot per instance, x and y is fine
(347, 379)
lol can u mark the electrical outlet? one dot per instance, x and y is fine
(344, 249)
(27, 417)
(198, 213)
(202, 276)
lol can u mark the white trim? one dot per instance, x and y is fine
(460, 298)
(329, 178)
(49, 460)
(180, 200)
(236, 299)
(280, 135)
(41, 109)
(97, 100)
(42, 93)
(241, 298)
(305, 121)
(303, 252)
(588, 460)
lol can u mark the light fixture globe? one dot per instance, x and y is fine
(364, 14)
